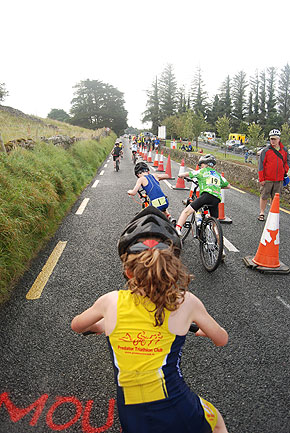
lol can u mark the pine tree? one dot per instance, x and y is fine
(250, 115)
(225, 98)
(167, 92)
(239, 94)
(199, 95)
(273, 120)
(152, 113)
(284, 94)
(262, 99)
(214, 112)
(254, 86)
(181, 100)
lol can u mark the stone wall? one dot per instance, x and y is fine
(238, 174)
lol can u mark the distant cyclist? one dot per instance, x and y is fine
(116, 152)
(146, 327)
(150, 183)
(134, 149)
(210, 184)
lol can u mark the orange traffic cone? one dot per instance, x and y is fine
(149, 159)
(161, 163)
(267, 255)
(156, 160)
(168, 167)
(222, 217)
(145, 154)
(180, 184)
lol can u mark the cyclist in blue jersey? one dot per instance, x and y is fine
(150, 184)
(146, 327)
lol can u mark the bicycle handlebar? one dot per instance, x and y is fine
(188, 179)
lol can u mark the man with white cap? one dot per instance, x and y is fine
(273, 165)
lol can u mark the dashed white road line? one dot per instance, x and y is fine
(95, 183)
(230, 246)
(283, 302)
(82, 206)
(102, 172)
(106, 165)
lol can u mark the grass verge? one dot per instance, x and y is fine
(37, 189)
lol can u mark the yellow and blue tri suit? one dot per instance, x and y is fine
(151, 393)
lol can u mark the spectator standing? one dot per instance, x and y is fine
(273, 165)
(246, 156)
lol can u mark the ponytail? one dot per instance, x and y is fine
(158, 275)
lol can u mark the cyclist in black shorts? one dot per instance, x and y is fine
(116, 152)
(210, 184)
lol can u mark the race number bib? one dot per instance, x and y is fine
(213, 180)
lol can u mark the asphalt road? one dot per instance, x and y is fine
(52, 379)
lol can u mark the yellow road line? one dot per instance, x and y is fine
(284, 210)
(239, 190)
(40, 282)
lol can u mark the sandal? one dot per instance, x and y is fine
(261, 217)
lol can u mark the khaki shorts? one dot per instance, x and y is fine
(270, 188)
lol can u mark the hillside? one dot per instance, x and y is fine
(14, 124)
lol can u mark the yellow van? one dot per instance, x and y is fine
(238, 137)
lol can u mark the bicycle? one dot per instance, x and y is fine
(145, 202)
(117, 164)
(209, 234)
(134, 157)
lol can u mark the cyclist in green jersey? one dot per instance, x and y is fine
(210, 183)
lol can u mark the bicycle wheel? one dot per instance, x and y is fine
(117, 165)
(211, 243)
(187, 226)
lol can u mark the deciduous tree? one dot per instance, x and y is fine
(97, 105)
(3, 92)
(58, 114)
(255, 136)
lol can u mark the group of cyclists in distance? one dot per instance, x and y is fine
(146, 324)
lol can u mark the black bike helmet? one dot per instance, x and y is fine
(208, 159)
(140, 167)
(149, 224)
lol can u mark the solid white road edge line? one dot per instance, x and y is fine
(167, 183)
(82, 206)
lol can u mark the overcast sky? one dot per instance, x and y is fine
(49, 46)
